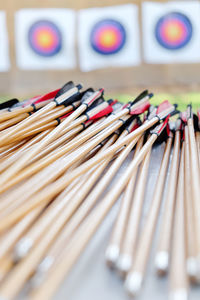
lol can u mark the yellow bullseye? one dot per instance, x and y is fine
(45, 39)
(108, 38)
(174, 32)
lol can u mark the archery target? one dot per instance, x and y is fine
(45, 39)
(174, 31)
(170, 32)
(4, 45)
(108, 37)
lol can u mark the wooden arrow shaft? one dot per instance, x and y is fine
(146, 237)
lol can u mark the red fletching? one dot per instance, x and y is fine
(31, 101)
(141, 109)
(168, 130)
(113, 102)
(89, 121)
(102, 113)
(48, 96)
(198, 114)
(65, 116)
(183, 136)
(163, 106)
(163, 125)
(134, 127)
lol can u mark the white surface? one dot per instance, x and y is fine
(90, 279)
(153, 51)
(25, 56)
(4, 45)
(129, 55)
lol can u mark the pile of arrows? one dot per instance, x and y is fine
(59, 152)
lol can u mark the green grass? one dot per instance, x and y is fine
(181, 99)
(4, 98)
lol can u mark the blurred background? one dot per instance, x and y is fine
(121, 45)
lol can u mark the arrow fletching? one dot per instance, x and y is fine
(112, 102)
(47, 96)
(189, 112)
(68, 94)
(68, 86)
(140, 96)
(163, 106)
(106, 111)
(9, 103)
(165, 109)
(183, 116)
(90, 98)
(139, 102)
(198, 114)
(141, 109)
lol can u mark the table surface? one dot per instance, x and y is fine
(91, 278)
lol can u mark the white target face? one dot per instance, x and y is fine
(4, 44)
(45, 39)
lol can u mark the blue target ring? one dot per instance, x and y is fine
(45, 38)
(174, 31)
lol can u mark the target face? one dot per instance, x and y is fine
(108, 37)
(45, 38)
(4, 45)
(174, 31)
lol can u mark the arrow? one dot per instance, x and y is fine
(178, 275)
(195, 175)
(128, 244)
(113, 249)
(22, 162)
(163, 250)
(38, 166)
(83, 235)
(136, 275)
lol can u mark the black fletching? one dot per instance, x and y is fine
(189, 111)
(69, 99)
(140, 96)
(9, 103)
(129, 121)
(72, 99)
(96, 103)
(86, 94)
(162, 137)
(110, 101)
(91, 90)
(68, 86)
(196, 122)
